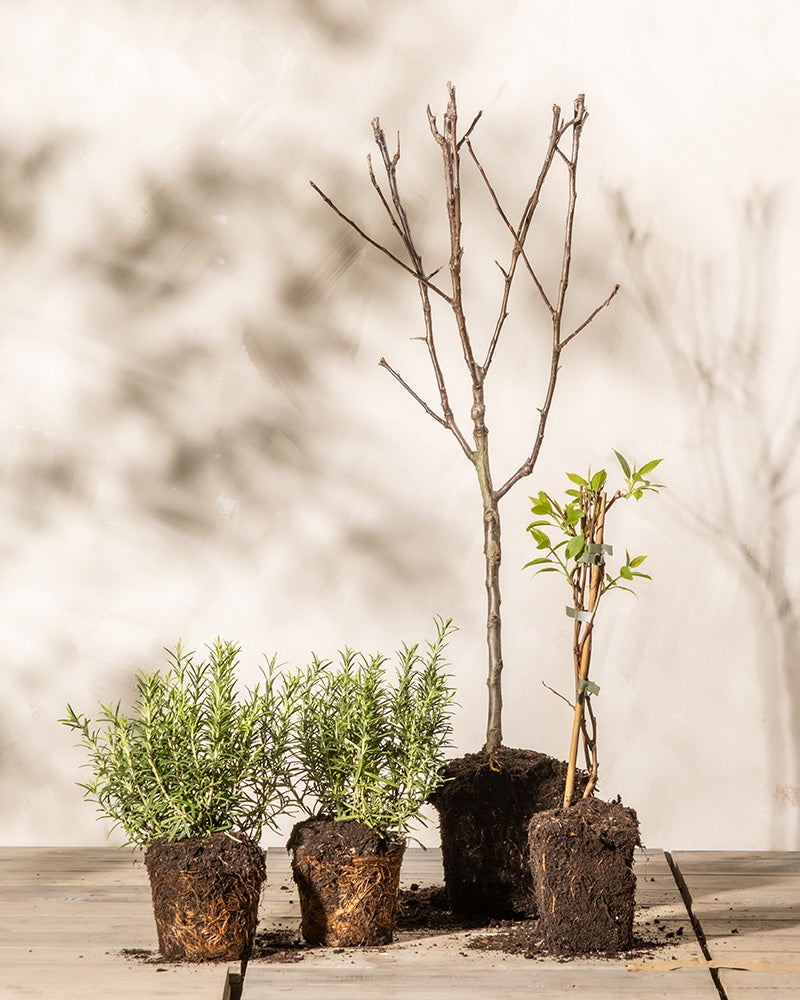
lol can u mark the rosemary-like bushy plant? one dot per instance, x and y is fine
(371, 748)
(193, 759)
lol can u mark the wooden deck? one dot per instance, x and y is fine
(69, 915)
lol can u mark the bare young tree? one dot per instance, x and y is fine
(478, 362)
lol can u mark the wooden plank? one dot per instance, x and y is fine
(66, 914)
(459, 979)
(740, 985)
(737, 862)
(748, 905)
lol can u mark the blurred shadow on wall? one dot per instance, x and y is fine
(742, 392)
(179, 291)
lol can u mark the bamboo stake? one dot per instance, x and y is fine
(596, 580)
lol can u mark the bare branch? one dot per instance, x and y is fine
(580, 118)
(431, 413)
(577, 124)
(587, 321)
(465, 137)
(404, 228)
(559, 695)
(450, 424)
(521, 232)
(447, 140)
(517, 244)
(379, 246)
(382, 197)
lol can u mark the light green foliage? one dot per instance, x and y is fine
(370, 748)
(568, 550)
(192, 758)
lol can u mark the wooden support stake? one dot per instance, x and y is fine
(596, 581)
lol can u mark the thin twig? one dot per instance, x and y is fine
(587, 321)
(431, 413)
(514, 236)
(379, 246)
(521, 233)
(465, 137)
(559, 695)
(400, 219)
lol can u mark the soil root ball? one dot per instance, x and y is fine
(206, 892)
(582, 869)
(348, 878)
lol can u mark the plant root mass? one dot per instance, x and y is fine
(582, 859)
(347, 877)
(206, 892)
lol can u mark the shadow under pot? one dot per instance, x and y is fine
(348, 878)
(206, 893)
(582, 867)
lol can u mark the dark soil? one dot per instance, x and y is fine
(582, 862)
(205, 893)
(347, 877)
(485, 809)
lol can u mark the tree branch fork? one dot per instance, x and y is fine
(451, 145)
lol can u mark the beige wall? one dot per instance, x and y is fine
(196, 438)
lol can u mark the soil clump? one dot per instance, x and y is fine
(582, 862)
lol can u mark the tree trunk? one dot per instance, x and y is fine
(492, 553)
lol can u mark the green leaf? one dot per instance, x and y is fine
(644, 576)
(625, 467)
(650, 466)
(574, 547)
(537, 562)
(542, 504)
(598, 480)
(572, 515)
(575, 478)
(572, 493)
(625, 573)
(541, 539)
(633, 563)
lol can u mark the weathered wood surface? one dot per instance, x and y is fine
(66, 914)
(748, 905)
(417, 966)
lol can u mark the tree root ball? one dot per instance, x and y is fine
(484, 809)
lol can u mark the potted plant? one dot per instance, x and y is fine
(581, 854)
(368, 752)
(485, 808)
(192, 775)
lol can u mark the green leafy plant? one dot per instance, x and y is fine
(192, 759)
(371, 748)
(579, 554)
